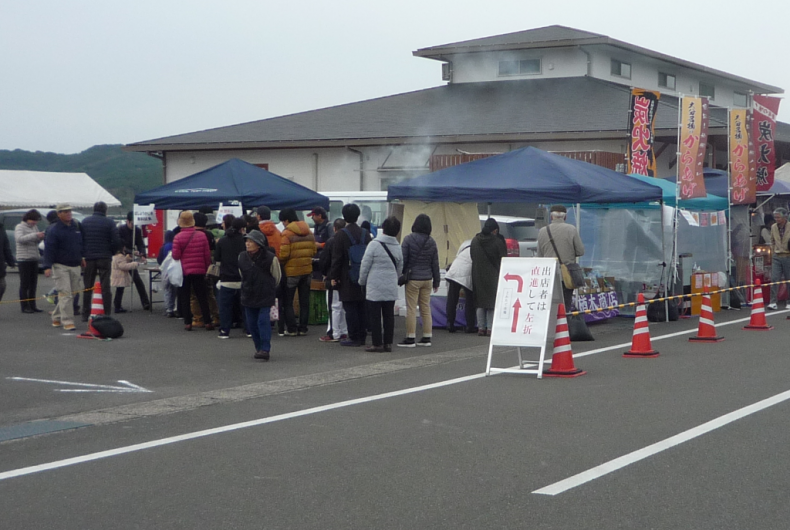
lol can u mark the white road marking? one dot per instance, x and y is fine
(619, 463)
(126, 389)
(262, 421)
(227, 428)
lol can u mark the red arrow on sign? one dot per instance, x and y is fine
(516, 307)
(519, 279)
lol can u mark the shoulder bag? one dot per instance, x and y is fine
(572, 273)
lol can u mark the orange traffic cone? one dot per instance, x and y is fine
(640, 344)
(97, 309)
(562, 358)
(706, 331)
(757, 320)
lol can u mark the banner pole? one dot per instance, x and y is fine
(729, 260)
(676, 214)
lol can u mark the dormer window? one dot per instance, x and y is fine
(524, 67)
(621, 69)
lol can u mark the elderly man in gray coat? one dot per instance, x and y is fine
(566, 239)
(379, 271)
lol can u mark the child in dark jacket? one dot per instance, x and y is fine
(170, 291)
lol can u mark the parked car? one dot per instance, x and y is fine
(10, 218)
(520, 233)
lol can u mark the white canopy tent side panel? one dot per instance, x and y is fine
(45, 189)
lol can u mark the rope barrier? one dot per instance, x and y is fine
(74, 293)
(677, 297)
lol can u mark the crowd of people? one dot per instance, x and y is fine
(248, 274)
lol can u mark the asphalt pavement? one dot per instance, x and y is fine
(331, 437)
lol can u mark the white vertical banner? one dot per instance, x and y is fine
(525, 291)
(144, 215)
(225, 209)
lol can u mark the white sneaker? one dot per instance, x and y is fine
(772, 306)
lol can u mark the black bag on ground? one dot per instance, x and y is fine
(577, 329)
(657, 311)
(108, 327)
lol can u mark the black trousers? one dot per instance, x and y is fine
(282, 295)
(302, 285)
(28, 283)
(102, 267)
(196, 282)
(453, 292)
(356, 319)
(567, 296)
(378, 312)
(138, 282)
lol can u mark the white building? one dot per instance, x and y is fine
(556, 88)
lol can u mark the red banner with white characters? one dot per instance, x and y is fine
(641, 155)
(743, 180)
(764, 113)
(693, 142)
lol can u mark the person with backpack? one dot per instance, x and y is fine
(421, 265)
(379, 272)
(347, 253)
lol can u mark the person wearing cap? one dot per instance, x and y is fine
(297, 248)
(102, 242)
(132, 238)
(321, 230)
(780, 261)
(566, 239)
(260, 276)
(190, 246)
(487, 250)
(63, 259)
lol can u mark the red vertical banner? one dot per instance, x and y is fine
(764, 113)
(693, 140)
(641, 155)
(742, 178)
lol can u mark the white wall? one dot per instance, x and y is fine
(477, 67)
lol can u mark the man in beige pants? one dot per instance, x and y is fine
(63, 261)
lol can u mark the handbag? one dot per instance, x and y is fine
(405, 277)
(213, 271)
(274, 312)
(572, 273)
(107, 327)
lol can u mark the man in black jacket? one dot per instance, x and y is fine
(336, 329)
(132, 237)
(351, 293)
(226, 254)
(101, 241)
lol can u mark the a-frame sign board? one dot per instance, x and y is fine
(525, 292)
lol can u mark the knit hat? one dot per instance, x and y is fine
(559, 208)
(490, 225)
(186, 219)
(258, 237)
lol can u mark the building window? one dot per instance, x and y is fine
(621, 69)
(525, 67)
(666, 80)
(707, 91)
(739, 100)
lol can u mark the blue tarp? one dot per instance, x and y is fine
(234, 180)
(526, 175)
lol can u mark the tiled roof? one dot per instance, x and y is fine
(470, 110)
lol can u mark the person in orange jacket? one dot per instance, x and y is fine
(269, 228)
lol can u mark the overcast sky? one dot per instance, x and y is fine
(76, 73)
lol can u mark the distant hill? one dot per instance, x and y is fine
(122, 174)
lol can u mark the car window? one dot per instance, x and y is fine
(520, 231)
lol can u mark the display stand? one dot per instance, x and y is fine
(523, 310)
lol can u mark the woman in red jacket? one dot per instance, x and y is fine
(190, 246)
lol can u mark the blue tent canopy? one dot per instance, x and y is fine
(526, 175)
(669, 189)
(234, 180)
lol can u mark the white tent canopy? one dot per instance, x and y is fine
(783, 173)
(45, 189)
